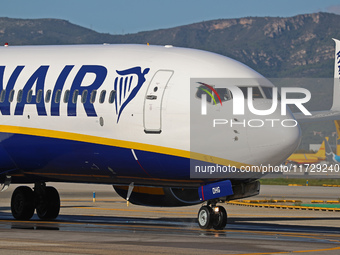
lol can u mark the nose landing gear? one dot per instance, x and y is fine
(212, 216)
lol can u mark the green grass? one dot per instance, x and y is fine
(322, 205)
(311, 182)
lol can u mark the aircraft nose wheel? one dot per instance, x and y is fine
(205, 217)
(215, 217)
(220, 218)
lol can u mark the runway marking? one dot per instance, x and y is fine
(300, 235)
(188, 228)
(94, 223)
(131, 210)
(287, 207)
(131, 225)
(272, 216)
(285, 252)
(293, 234)
(90, 200)
(192, 213)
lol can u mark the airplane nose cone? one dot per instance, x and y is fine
(274, 143)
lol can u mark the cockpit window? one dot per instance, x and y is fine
(268, 91)
(245, 91)
(256, 92)
(223, 93)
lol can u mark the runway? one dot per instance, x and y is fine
(108, 226)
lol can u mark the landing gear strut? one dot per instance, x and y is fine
(45, 200)
(212, 216)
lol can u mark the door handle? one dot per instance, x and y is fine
(151, 97)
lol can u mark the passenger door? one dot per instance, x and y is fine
(153, 101)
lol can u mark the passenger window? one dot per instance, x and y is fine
(93, 96)
(48, 96)
(102, 96)
(2, 96)
(29, 96)
(19, 97)
(112, 96)
(39, 96)
(57, 96)
(75, 96)
(84, 96)
(11, 96)
(66, 96)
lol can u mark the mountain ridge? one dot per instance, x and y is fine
(298, 46)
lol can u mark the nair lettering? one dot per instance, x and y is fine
(125, 86)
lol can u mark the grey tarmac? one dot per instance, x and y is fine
(109, 226)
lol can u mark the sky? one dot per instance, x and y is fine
(132, 16)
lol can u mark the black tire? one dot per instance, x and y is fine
(22, 203)
(220, 219)
(48, 206)
(205, 216)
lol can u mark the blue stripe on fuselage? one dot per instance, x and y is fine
(60, 156)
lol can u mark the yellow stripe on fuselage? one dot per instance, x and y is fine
(116, 143)
(93, 139)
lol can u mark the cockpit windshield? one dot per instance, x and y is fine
(268, 91)
(256, 92)
(213, 94)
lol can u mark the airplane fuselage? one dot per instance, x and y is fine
(118, 113)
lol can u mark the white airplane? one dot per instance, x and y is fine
(120, 115)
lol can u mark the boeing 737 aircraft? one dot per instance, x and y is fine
(120, 115)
